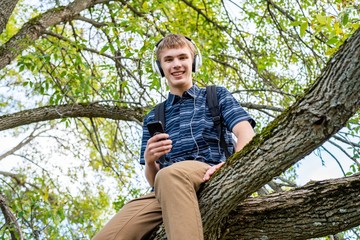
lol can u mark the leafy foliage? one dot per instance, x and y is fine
(265, 52)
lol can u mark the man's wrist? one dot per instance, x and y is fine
(150, 164)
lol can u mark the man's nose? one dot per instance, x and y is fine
(176, 63)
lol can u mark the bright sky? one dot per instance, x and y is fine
(311, 167)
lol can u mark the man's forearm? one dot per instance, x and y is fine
(244, 133)
(151, 171)
(240, 144)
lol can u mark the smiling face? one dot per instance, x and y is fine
(176, 55)
(177, 66)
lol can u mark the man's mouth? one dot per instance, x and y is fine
(176, 74)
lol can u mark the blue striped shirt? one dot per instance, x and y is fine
(191, 128)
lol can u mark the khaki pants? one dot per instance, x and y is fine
(174, 202)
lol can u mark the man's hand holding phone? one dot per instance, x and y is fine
(158, 144)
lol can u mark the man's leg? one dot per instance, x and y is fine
(134, 221)
(175, 188)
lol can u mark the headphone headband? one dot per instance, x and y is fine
(156, 63)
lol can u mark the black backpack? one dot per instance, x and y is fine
(213, 104)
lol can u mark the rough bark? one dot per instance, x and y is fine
(315, 210)
(324, 110)
(32, 30)
(6, 9)
(64, 111)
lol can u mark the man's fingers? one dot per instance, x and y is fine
(208, 173)
(211, 171)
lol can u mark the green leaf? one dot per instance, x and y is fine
(303, 28)
(104, 48)
(321, 19)
(332, 41)
(345, 19)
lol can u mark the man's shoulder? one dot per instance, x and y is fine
(150, 115)
(221, 91)
(219, 88)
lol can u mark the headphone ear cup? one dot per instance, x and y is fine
(159, 69)
(195, 65)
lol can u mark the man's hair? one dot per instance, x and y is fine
(174, 41)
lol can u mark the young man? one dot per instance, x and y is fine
(191, 148)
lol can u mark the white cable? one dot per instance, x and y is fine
(162, 90)
(191, 131)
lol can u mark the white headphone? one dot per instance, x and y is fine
(156, 63)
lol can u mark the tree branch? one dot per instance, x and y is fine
(346, 153)
(10, 219)
(7, 7)
(65, 111)
(90, 21)
(315, 210)
(23, 143)
(261, 107)
(31, 30)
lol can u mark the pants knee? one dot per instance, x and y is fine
(167, 174)
(183, 173)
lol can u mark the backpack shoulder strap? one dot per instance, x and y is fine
(160, 113)
(213, 104)
(160, 116)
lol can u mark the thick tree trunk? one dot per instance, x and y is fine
(324, 110)
(64, 111)
(6, 9)
(315, 210)
(32, 30)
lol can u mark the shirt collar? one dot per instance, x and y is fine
(192, 92)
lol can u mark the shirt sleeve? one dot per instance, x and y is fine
(231, 110)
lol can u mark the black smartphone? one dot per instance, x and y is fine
(155, 128)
